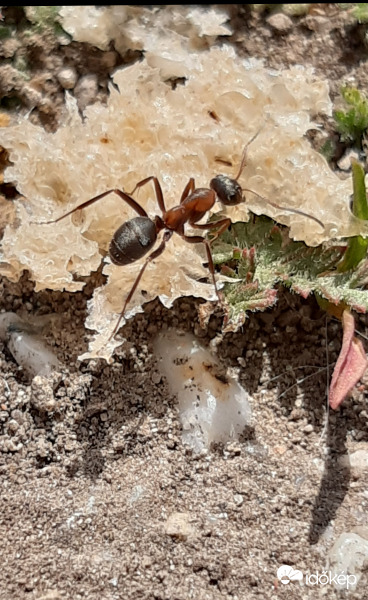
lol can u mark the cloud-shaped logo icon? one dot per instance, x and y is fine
(285, 574)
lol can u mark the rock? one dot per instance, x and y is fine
(42, 394)
(86, 90)
(280, 22)
(318, 23)
(67, 78)
(345, 162)
(347, 556)
(178, 526)
(357, 461)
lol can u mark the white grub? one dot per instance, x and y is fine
(213, 406)
(147, 128)
(28, 349)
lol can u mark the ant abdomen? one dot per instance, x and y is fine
(132, 240)
(228, 190)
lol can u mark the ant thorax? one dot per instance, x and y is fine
(228, 190)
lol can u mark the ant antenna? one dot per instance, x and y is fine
(292, 210)
(244, 155)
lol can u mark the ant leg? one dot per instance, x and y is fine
(222, 225)
(128, 199)
(197, 239)
(151, 257)
(158, 190)
(189, 189)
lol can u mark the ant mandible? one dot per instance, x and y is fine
(135, 238)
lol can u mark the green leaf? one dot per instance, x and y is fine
(358, 245)
(265, 257)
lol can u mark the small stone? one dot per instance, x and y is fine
(67, 78)
(357, 462)
(308, 428)
(13, 426)
(178, 526)
(156, 377)
(280, 22)
(86, 90)
(233, 449)
(146, 562)
(11, 446)
(29, 586)
(348, 555)
(9, 47)
(318, 23)
(109, 59)
(42, 394)
(280, 449)
(345, 162)
(18, 416)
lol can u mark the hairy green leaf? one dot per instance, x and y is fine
(261, 256)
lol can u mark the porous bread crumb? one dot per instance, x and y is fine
(141, 28)
(147, 128)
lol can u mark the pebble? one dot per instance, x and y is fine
(67, 78)
(156, 377)
(86, 90)
(178, 526)
(42, 394)
(13, 426)
(308, 428)
(357, 461)
(109, 59)
(280, 22)
(318, 23)
(345, 162)
(348, 555)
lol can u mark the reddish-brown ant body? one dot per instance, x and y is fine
(135, 238)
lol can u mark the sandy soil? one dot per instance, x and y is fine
(99, 498)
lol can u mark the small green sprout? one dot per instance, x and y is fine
(44, 18)
(358, 10)
(353, 122)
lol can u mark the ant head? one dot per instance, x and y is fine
(227, 190)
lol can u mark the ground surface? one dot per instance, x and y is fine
(93, 470)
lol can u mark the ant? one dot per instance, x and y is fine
(135, 238)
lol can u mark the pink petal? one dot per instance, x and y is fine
(350, 365)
